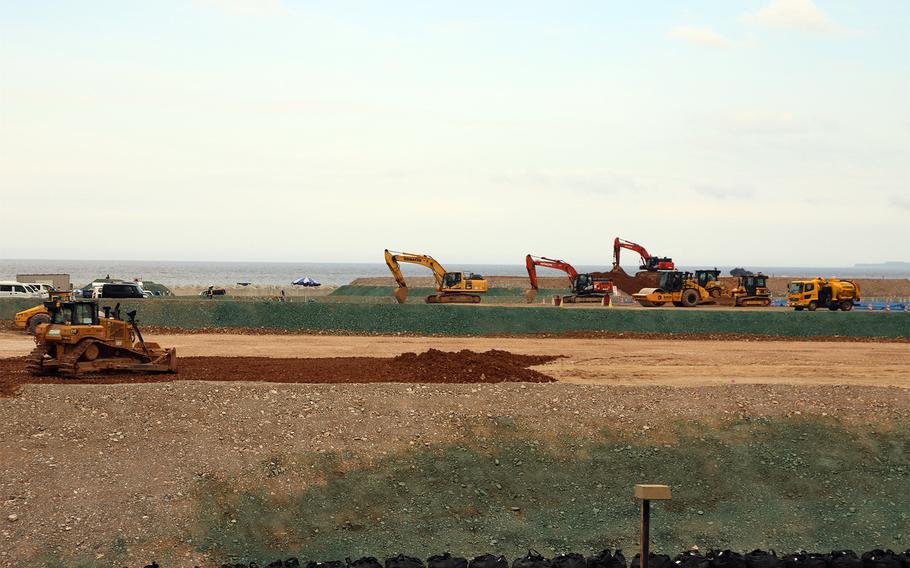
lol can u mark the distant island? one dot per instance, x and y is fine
(894, 264)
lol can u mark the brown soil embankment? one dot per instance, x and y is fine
(431, 366)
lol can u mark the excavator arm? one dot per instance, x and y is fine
(532, 262)
(393, 260)
(648, 262)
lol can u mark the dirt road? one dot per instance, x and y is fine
(590, 361)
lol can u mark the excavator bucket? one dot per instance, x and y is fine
(401, 294)
(531, 295)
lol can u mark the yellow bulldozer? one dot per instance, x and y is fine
(676, 287)
(79, 340)
(451, 287)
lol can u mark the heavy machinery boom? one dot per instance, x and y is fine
(648, 262)
(584, 286)
(451, 287)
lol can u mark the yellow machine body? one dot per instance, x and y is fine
(831, 293)
(78, 341)
(677, 288)
(30, 319)
(451, 287)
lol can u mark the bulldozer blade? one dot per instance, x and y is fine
(401, 294)
(531, 295)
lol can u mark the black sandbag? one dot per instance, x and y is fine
(489, 561)
(762, 559)
(726, 559)
(402, 561)
(569, 560)
(905, 558)
(275, 564)
(365, 562)
(532, 560)
(446, 560)
(292, 562)
(654, 561)
(607, 559)
(690, 559)
(816, 560)
(844, 559)
(881, 559)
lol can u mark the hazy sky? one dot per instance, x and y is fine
(752, 132)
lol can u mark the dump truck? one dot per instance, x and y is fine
(451, 287)
(831, 293)
(79, 340)
(586, 287)
(676, 287)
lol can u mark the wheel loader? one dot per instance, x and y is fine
(77, 340)
(676, 287)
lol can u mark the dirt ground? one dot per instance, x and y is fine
(119, 474)
(587, 361)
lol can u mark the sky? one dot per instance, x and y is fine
(722, 132)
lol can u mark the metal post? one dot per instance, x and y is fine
(645, 551)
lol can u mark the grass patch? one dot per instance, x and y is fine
(784, 484)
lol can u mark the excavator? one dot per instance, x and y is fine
(585, 287)
(648, 262)
(78, 340)
(451, 287)
(676, 287)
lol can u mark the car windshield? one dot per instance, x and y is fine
(795, 287)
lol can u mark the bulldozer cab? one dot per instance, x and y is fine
(753, 282)
(704, 277)
(73, 313)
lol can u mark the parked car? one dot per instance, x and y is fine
(116, 290)
(13, 289)
(43, 290)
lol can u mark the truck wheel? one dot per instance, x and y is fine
(689, 298)
(813, 305)
(37, 320)
(846, 305)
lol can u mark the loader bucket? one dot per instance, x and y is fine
(531, 295)
(401, 294)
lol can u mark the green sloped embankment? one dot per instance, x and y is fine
(383, 294)
(423, 319)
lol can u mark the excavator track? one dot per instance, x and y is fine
(34, 362)
(453, 299)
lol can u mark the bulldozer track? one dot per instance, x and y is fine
(34, 361)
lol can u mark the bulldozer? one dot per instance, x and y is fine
(78, 340)
(752, 290)
(451, 287)
(676, 287)
(30, 319)
(586, 287)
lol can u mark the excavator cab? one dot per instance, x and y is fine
(654, 263)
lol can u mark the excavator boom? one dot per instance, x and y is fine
(532, 262)
(648, 262)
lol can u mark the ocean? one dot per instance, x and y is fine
(171, 273)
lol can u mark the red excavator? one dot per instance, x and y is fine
(648, 262)
(585, 287)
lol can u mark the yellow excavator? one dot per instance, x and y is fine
(451, 287)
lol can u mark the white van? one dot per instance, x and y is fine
(43, 290)
(13, 289)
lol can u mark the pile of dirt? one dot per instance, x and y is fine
(433, 366)
(630, 284)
